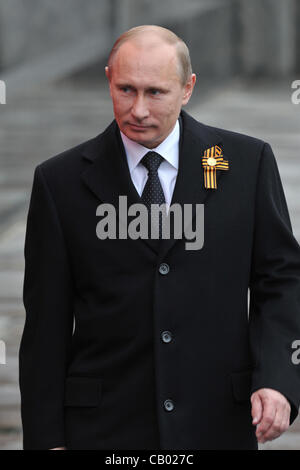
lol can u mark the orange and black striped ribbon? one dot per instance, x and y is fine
(210, 172)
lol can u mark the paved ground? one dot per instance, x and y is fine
(42, 123)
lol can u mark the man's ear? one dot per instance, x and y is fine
(188, 89)
(107, 73)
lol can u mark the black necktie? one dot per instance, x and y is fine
(153, 192)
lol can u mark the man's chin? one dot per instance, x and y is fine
(142, 137)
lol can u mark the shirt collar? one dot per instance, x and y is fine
(168, 149)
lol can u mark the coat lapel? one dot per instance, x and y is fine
(189, 186)
(108, 175)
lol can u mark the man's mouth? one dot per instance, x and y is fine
(138, 126)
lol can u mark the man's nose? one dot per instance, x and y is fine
(139, 108)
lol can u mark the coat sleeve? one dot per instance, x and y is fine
(46, 339)
(274, 310)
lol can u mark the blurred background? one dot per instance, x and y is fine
(246, 54)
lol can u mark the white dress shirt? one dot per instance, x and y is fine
(168, 169)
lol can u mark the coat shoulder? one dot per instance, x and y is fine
(72, 157)
(231, 139)
(68, 159)
(238, 138)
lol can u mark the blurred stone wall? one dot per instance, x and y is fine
(297, 19)
(268, 37)
(226, 37)
(32, 28)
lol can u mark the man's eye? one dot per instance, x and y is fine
(126, 89)
(154, 92)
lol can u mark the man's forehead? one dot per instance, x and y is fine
(140, 60)
(158, 78)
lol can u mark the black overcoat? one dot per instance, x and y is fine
(131, 345)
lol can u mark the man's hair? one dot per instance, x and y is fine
(183, 55)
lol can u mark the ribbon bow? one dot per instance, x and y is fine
(212, 160)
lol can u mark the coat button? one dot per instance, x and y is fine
(164, 268)
(169, 405)
(166, 336)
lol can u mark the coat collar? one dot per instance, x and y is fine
(108, 175)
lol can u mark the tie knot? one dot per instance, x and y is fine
(151, 161)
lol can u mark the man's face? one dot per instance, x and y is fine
(146, 91)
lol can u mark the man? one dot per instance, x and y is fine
(163, 354)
